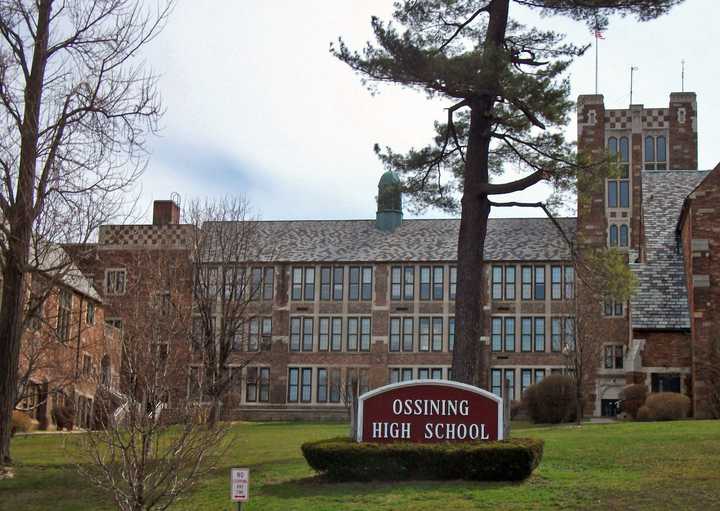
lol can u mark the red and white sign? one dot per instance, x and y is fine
(428, 411)
(239, 483)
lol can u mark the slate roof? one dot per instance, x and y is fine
(660, 302)
(510, 239)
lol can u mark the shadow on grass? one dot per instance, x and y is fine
(319, 486)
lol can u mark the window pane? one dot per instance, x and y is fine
(613, 235)
(407, 374)
(526, 282)
(612, 146)
(423, 373)
(649, 149)
(352, 339)
(409, 284)
(497, 282)
(325, 283)
(539, 282)
(539, 375)
(569, 282)
(612, 194)
(496, 334)
(509, 282)
(338, 276)
(324, 335)
(395, 334)
(661, 149)
(437, 334)
(451, 334)
(322, 385)
(293, 385)
(268, 281)
(510, 379)
(367, 283)
(624, 235)
(453, 282)
(306, 385)
(496, 382)
(395, 283)
(624, 194)
(394, 375)
(424, 334)
(295, 334)
(509, 334)
(309, 284)
(354, 291)
(624, 151)
(408, 334)
(365, 334)
(436, 373)
(556, 276)
(539, 334)
(438, 282)
(307, 334)
(556, 333)
(526, 334)
(424, 282)
(336, 334)
(297, 284)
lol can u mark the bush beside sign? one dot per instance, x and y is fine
(429, 411)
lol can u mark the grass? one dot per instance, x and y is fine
(670, 465)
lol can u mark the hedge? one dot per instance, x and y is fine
(343, 459)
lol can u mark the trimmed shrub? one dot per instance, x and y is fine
(552, 400)
(667, 406)
(644, 414)
(342, 459)
(64, 417)
(633, 397)
(21, 422)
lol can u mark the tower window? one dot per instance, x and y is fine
(618, 186)
(619, 235)
(655, 152)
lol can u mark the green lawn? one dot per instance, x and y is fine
(672, 465)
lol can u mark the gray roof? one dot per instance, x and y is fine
(660, 302)
(53, 259)
(510, 239)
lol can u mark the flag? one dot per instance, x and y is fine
(599, 35)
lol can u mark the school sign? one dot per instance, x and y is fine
(427, 411)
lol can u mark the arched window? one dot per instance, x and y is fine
(649, 148)
(613, 235)
(612, 146)
(661, 149)
(624, 149)
(624, 235)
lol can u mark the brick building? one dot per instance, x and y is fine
(375, 298)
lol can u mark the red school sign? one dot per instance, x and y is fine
(426, 411)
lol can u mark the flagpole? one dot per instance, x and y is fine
(596, 61)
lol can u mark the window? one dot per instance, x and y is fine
(423, 373)
(619, 235)
(322, 385)
(526, 334)
(309, 288)
(451, 334)
(301, 329)
(306, 384)
(409, 283)
(570, 333)
(556, 334)
(254, 335)
(115, 282)
(510, 378)
(64, 311)
(325, 283)
(655, 152)
(497, 282)
(539, 282)
(424, 336)
(352, 337)
(525, 379)
(87, 365)
(394, 334)
(365, 334)
(323, 334)
(268, 283)
(496, 334)
(408, 341)
(613, 308)
(307, 344)
(614, 356)
(338, 279)
(407, 374)
(336, 334)
(359, 375)
(527, 283)
(398, 374)
(256, 289)
(264, 384)
(90, 314)
(115, 323)
(539, 375)
(437, 334)
(293, 384)
(367, 283)
(569, 282)
(509, 334)
(618, 188)
(394, 375)
(453, 282)
(395, 283)
(297, 274)
(266, 334)
(496, 382)
(509, 282)
(424, 282)
(438, 282)
(251, 384)
(556, 282)
(436, 373)
(539, 334)
(335, 382)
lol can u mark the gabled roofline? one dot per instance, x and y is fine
(686, 202)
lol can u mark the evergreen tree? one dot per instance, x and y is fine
(509, 101)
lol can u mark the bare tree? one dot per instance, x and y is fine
(75, 110)
(233, 276)
(155, 446)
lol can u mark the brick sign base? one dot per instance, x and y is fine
(427, 411)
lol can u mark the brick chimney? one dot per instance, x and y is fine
(165, 212)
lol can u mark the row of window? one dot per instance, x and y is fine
(330, 336)
(504, 282)
(257, 383)
(431, 280)
(256, 331)
(430, 334)
(332, 281)
(532, 334)
(399, 374)
(328, 384)
(236, 282)
(528, 376)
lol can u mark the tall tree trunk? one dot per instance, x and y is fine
(20, 223)
(470, 357)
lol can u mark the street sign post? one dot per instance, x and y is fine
(239, 483)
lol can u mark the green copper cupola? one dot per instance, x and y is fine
(389, 201)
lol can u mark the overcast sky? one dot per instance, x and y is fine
(256, 104)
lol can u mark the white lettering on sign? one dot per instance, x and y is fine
(431, 407)
(394, 430)
(442, 431)
(239, 483)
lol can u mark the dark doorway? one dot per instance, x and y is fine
(609, 407)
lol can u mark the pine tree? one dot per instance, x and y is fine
(509, 102)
